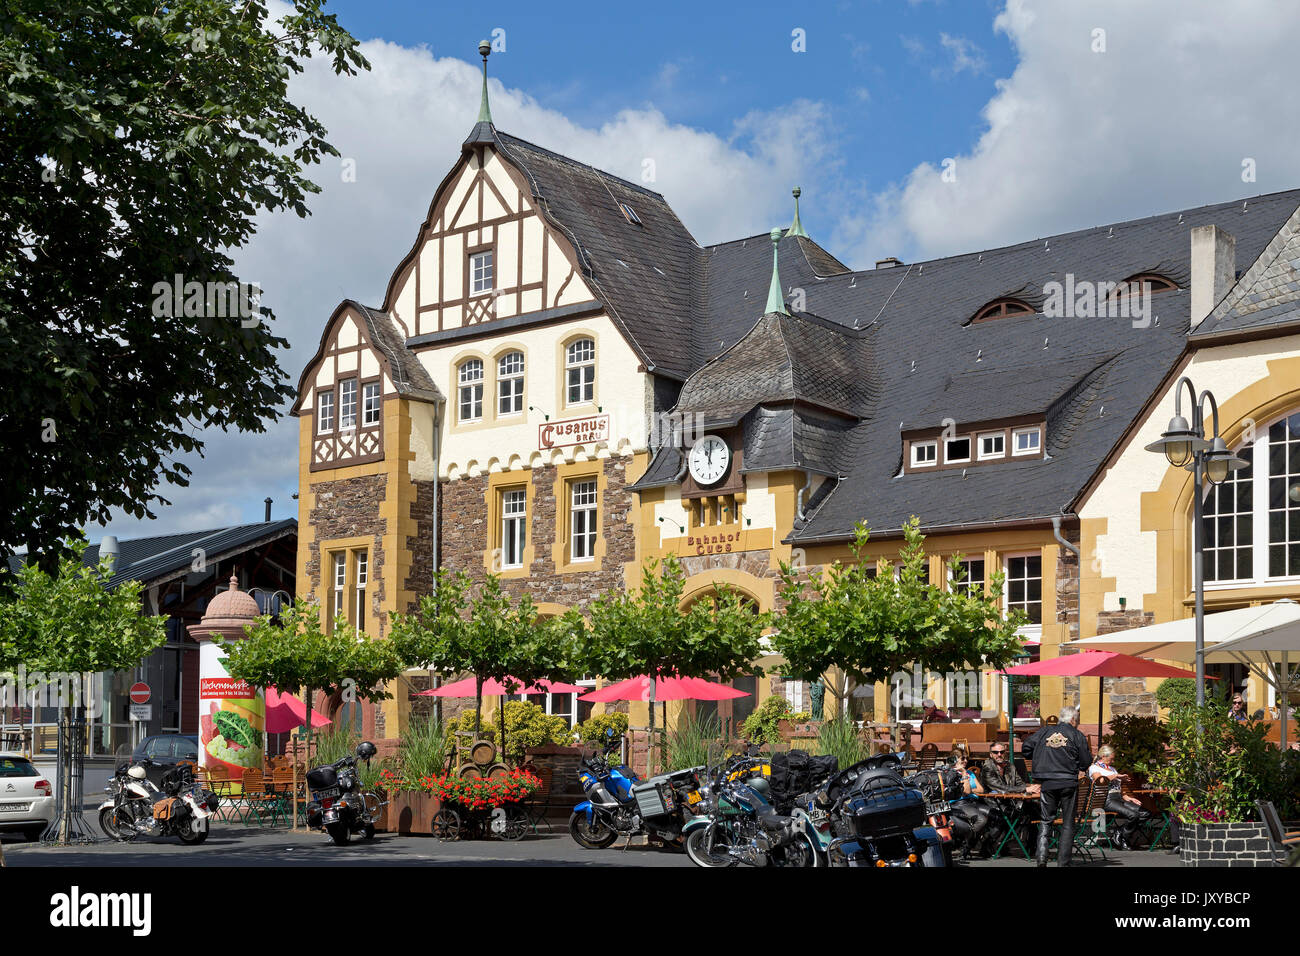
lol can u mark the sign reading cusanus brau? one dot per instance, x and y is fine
(75, 910)
(573, 431)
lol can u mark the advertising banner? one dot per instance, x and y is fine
(232, 716)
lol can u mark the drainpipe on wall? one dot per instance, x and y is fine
(798, 503)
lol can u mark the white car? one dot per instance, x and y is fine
(26, 797)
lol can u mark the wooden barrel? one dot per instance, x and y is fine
(498, 771)
(483, 752)
(470, 771)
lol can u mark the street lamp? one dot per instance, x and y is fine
(1185, 446)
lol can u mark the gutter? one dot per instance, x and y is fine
(840, 537)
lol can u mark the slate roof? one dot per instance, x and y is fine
(410, 378)
(1266, 296)
(148, 559)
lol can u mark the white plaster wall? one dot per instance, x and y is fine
(1125, 552)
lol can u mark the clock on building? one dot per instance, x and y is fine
(708, 459)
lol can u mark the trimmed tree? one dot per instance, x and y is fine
(646, 632)
(299, 653)
(850, 622)
(71, 624)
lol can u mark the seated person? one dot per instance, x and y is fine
(970, 818)
(1238, 709)
(1128, 811)
(1001, 775)
(931, 714)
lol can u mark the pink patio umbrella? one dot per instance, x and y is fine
(285, 712)
(468, 687)
(1098, 664)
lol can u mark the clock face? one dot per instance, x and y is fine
(709, 459)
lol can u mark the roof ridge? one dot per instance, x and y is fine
(577, 162)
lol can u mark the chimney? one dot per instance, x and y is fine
(109, 548)
(888, 263)
(1214, 269)
(268, 509)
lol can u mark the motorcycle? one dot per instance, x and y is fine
(939, 787)
(339, 806)
(879, 820)
(619, 803)
(739, 823)
(180, 807)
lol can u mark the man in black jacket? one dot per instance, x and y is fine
(1059, 754)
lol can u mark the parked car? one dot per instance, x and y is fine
(163, 751)
(26, 797)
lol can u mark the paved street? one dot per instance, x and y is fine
(252, 847)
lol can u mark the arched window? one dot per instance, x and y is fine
(1251, 524)
(1001, 308)
(580, 372)
(510, 383)
(1152, 280)
(470, 378)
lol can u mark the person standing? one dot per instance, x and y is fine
(1059, 754)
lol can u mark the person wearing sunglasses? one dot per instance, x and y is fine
(1001, 775)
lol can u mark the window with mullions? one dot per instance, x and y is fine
(340, 583)
(325, 413)
(480, 273)
(580, 372)
(1228, 525)
(514, 534)
(510, 383)
(348, 403)
(470, 378)
(363, 569)
(370, 404)
(972, 575)
(1025, 585)
(1284, 497)
(582, 517)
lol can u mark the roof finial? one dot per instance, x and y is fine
(775, 303)
(484, 113)
(796, 228)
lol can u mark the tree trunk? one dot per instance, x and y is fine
(478, 706)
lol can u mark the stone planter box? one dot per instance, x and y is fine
(411, 812)
(1226, 844)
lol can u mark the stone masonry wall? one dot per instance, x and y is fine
(1226, 844)
(347, 509)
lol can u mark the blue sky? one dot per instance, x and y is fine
(1053, 115)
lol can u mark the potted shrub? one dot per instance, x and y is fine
(1139, 743)
(421, 752)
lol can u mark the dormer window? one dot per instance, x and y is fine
(1001, 309)
(1027, 441)
(1152, 280)
(956, 450)
(992, 445)
(629, 214)
(924, 453)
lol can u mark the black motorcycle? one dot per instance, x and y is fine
(339, 805)
(878, 818)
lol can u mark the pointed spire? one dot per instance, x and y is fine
(484, 112)
(775, 302)
(796, 228)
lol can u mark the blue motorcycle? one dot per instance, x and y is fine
(619, 803)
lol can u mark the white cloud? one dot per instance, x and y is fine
(965, 54)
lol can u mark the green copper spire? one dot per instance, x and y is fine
(796, 228)
(484, 113)
(775, 303)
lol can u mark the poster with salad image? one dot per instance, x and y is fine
(232, 716)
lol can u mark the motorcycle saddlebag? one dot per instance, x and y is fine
(322, 778)
(796, 772)
(654, 799)
(164, 808)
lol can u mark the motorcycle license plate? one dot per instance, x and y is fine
(694, 797)
(330, 793)
(15, 807)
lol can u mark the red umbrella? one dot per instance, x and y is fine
(1098, 664)
(666, 688)
(285, 712)
(492, 688)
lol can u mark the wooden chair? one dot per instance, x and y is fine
(539, 803)
(1285, 842)
(257, 798)
(282, 783)
(929, 756)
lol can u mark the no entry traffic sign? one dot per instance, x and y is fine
(140, 693)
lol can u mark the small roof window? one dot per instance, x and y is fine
(629, 214)
(1001, 308)
(1155, 281)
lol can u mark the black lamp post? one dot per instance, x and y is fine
(1208, 459)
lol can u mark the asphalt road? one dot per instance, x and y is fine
(240, 846)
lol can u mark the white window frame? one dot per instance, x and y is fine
(514, 525)
(589, 509)
(1029, 630)
(325, 412)
(510, 384)
(482, 272)
(469, 390)
(794, 695)
(966, 581)
(361, 560)
(347, 404)
(990, 456)
(340, 560)
(580, 372)
(370, 403)
(917, 446)
(1035, 430)
(970, 450)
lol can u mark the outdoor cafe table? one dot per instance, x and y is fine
(1156, 793)
(1011, 807)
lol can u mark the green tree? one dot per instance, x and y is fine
(850, 622)
(141, 141)
(485, 633)
(71, 623)
(646, 632)
(299, 653)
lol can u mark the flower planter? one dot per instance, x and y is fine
(1226, 844)
(411, 811)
